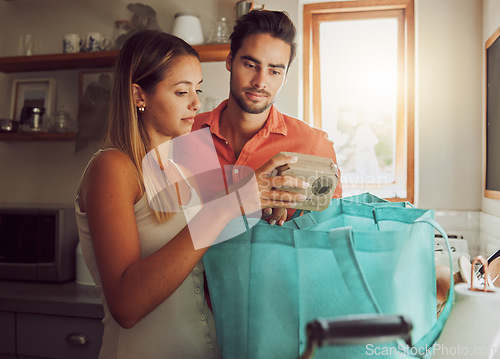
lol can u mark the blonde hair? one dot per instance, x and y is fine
(144, 59)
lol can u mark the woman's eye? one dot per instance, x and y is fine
(199, 91)
(181, 93)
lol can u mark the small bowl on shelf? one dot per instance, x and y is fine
(7, 125)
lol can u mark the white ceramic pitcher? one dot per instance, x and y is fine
(188, 27)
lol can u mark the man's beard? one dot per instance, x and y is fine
(251, 107)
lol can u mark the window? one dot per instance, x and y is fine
(358, 87)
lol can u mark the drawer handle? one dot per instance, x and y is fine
(77, 339)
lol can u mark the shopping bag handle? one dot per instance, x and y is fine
(420, 348)
(432, 335)
(427, 341)
(304, 219)
(355, 329)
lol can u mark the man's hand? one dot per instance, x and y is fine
(274, 216)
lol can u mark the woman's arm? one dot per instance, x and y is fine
(133, 286)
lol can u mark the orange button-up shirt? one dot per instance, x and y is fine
(280, 133)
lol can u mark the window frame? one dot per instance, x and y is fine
(403, 10)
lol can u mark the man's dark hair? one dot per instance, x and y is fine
(275, 23)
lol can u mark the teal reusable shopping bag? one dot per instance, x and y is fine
(361, 255)
(394, 247)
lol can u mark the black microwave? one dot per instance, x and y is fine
(37, 243)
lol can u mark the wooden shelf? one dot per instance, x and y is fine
(86, 60)
(82, 60)
(55, 62)
(212, 53)
(40, 136)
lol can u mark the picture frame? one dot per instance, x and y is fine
(492, 125)
(36, 92)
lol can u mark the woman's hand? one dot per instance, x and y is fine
(271, 197)
(258, 191)
(278, 215)
(275, 215)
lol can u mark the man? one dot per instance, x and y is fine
(247, 129)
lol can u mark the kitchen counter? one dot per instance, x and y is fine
(64, 299)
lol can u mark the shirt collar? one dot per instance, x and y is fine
(275, 122)
(211, 119)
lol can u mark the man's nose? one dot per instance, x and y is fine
(259, 80)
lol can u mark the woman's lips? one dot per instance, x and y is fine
(189, 120)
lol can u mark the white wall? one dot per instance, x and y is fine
(449, 85)
(449, 103)
(50, 19)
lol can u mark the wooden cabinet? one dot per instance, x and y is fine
(24, 335)
(7, 335)
(49, 320)
(83, 60)
(46, 336)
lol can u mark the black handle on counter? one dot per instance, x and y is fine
(356, 329)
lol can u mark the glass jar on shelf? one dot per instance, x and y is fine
(120, 33)
(219, 33)
(61, 121)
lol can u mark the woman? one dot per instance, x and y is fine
(143, 261)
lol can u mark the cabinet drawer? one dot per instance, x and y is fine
(7, 333)
(58, 337)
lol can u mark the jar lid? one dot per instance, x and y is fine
(61, 114)
(125, 23)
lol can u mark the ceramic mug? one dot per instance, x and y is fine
(72, 43)
(95, 41)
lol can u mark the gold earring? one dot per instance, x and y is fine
(141, 108)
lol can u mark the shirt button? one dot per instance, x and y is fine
(197, 290)
(227, 143)
(211, 346)
(202, 317)
(236, 170)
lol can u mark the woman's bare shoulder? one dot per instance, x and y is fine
(111, 162)
(111, 173)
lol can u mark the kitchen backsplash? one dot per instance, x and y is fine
(480, 229)
(490, 233)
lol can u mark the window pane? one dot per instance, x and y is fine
(359, 97)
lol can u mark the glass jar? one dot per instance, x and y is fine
(61, 121)
(219, 34)
(120, 33)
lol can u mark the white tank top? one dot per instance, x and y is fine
(182, 326)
